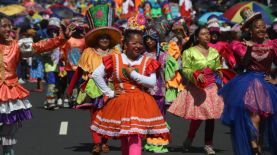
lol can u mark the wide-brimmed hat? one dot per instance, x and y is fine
(249, 16)
(100, 18)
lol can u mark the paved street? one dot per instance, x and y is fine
(41, 135)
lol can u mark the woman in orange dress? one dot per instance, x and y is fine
(100, 41)
(130, 112)
(14, 105)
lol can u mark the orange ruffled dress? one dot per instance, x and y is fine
(134, 112)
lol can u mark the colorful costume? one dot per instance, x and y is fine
(134, 112)
(71, 53)
(166, 72)
(51, 62)
(14, 105)
(207, 104)
(51, 66)
(159, 94)
(174, 80)
(249, 92)
(196, 103)
(90, 97)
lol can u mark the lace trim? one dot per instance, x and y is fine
(129, 119)
(144, 65)
(13, 105)
(130, 131)
(128, 126)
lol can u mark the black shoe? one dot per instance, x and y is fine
(187, 145)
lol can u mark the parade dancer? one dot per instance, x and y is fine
(51, 65)
(167, 71)
(101, 41)
(14, 105)
(71, 53)
(130, 112)
(199, 101)
(250, 98)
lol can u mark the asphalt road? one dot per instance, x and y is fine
(41, 135)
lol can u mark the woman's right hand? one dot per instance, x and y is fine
(118, 92)
(201, 78)
(249, 43)
(270, 80)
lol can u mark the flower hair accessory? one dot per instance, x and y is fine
(136, 22)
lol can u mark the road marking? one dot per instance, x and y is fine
(63, 128)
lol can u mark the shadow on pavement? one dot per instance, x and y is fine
(82, 147)
(86, 147)
(191, 150)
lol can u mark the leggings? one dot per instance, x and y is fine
(131, 145)
(209, 130)
(96, 138)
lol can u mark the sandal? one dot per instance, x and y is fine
(105, 148)
(96, 148)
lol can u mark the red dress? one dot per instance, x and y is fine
(134, 112)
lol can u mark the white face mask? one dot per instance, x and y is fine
(25, 44)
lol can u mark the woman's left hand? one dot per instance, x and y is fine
(270, 80)
(129, 70)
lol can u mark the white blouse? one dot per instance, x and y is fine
(99, 76)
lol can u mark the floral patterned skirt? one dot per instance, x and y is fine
(195, 103)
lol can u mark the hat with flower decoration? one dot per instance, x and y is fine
(100, 20)
(136, 22)
(249, 16)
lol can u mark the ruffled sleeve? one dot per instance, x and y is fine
(173, 79)
(238, 48)
(224, 50)
(151, 67)
(49, 44)
(108, 63)
(174, 50)
(171, 66)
